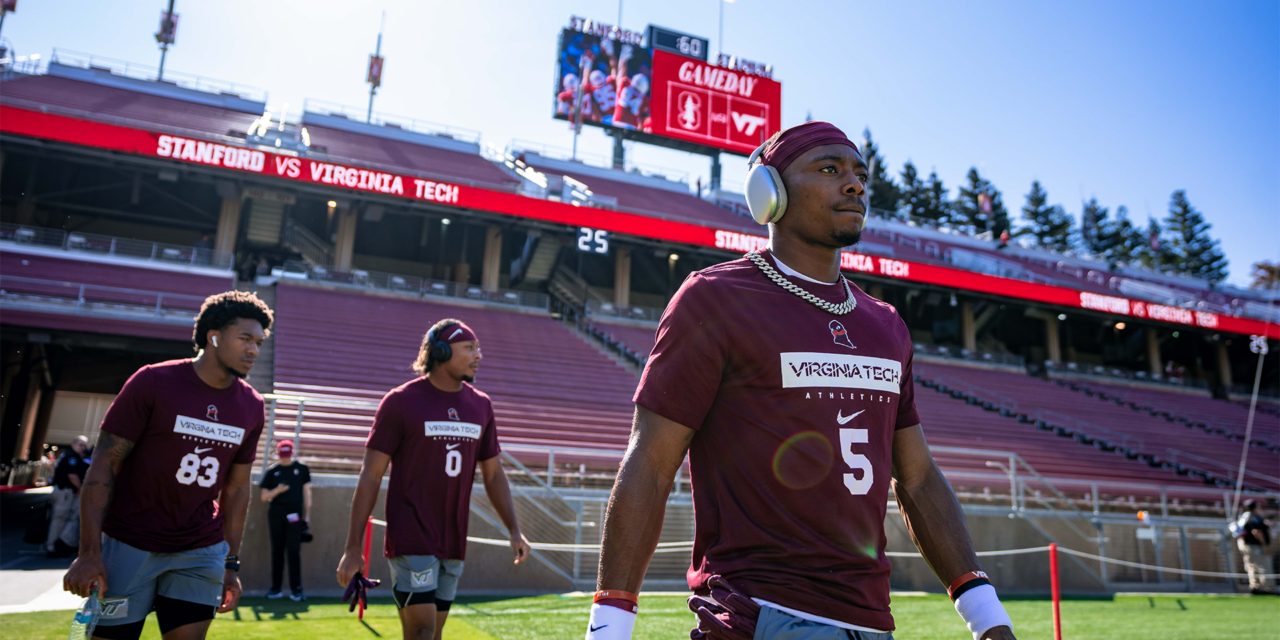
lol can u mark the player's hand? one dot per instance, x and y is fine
(230, 591)
(520, 545)
(350, 564)
(999, 633)
(84, 572)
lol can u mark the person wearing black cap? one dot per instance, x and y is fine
(286, 486)
(1253, 536)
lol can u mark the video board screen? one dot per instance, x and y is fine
(609, 80)
(711, 105)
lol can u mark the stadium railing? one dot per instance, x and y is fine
(631, 312)
(411, 285)
(360, 114)
(1118, 373)
(957, 353)
(149, 73)
(78, 242)
(92, 299)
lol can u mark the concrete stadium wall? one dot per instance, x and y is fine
(489, 569)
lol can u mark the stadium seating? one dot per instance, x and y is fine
(445, 163)
(636, 338)
(549, 387)
(105, 102)
(1172, 449)
(153, 277)
(1225, 418)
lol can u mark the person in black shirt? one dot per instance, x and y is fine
(64, 526)
(286, 486)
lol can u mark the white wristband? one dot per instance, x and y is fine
(981, 610)
(609, 623)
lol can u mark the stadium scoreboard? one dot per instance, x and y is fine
(665, 89)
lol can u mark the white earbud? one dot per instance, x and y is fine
(215, 341)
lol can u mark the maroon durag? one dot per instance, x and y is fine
(456, 333)
(798, 139)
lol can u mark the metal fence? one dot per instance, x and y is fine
(92, 298)
(412, 285)
(632, 312)
(149, 73)
(957, 353)
(92, 243)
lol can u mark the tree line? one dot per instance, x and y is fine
(1178, 244)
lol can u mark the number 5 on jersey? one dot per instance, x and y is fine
(189, 470)
(856, 461)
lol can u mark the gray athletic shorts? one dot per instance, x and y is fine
(419, 574)
(780, 625)
(135, 577)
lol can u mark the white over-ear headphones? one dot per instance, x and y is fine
(215, 341)
(766, 195)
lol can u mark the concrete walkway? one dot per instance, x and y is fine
(29, 580)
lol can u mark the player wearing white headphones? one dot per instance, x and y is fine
(791, 391)
(432, 431)
(163, 506)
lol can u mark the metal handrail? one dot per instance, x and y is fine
(149, 73)
(422, 287)
(83, 293)
(92, 243)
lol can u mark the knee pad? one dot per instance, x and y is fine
(407, 599)
(172, 613)
(129, 631)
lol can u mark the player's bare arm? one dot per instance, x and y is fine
(235, 507)
(932, 513)
(362, 503)
(95, 499)
(499, 492)
(306, 502)
(633, 522)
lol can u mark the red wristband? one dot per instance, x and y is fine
(618, 599)
(966, 579)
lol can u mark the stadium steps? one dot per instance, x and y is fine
(262, 379)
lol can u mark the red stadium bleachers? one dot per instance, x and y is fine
(549, 387)
(106, 102)
(1099, 423)
(395, 153)
(637, 338)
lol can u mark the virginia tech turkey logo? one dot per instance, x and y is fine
(211, 413)
(453, 414)
(840, 336)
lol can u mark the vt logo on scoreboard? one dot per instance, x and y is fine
(712, 105)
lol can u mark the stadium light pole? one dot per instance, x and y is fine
(374, 83)
(720, 37)
(166, 38)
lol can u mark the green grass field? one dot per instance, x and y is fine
(666, 618)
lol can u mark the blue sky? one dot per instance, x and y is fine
(1123, 101)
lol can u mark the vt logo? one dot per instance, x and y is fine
(840, 336)
(746, 123)
(115, 608)
(423, 578)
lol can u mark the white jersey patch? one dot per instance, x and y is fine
(206, 429)
(811, 369)
(451, 429)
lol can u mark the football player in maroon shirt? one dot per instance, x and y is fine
(791, 391)
(433, 431)
(163, 506)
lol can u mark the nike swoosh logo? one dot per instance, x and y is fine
(595, 629)
(451, 447)
(199, 450)
(843, 419)
(456, 332)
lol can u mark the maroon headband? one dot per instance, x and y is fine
(798, 139)
(456, 333)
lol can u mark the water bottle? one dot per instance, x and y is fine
(86, 618)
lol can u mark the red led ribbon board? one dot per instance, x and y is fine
(269, 164)
(705, 104)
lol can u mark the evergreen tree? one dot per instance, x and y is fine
(1195, 252)
(1119, 241)
(884, 192)
(1095, 229)
(1153, 252)
(938, 206)
(971, 206)
(1050, 225)
(914, 191)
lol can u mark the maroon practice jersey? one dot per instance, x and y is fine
(434, 438)
(795, 410)
(186, 436)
